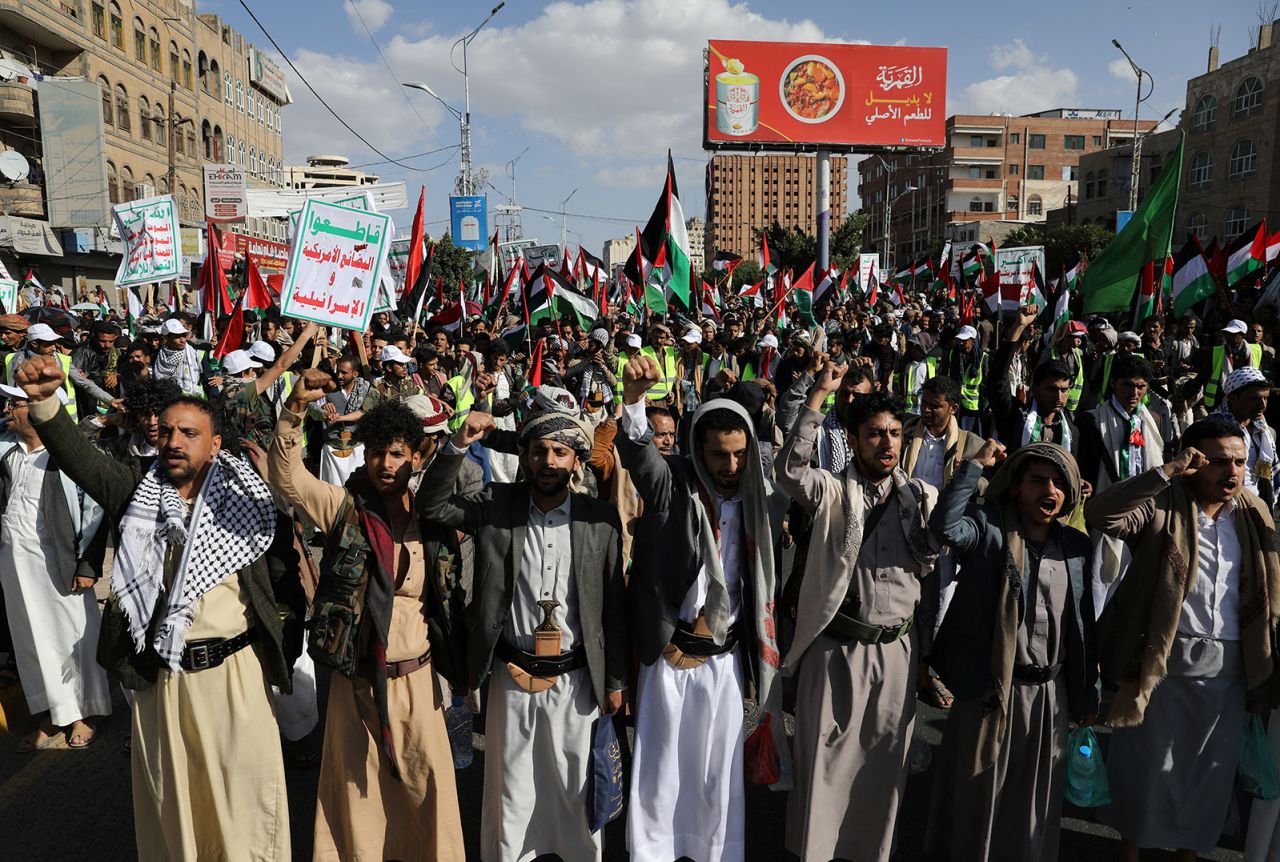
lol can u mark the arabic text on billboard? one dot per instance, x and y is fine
(75, 153)
(825, 94)
(268, 77)
(224, 193)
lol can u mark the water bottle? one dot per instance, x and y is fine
(458, 722)
(1081, 772)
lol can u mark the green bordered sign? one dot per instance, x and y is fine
(152, 241)
(335, 265)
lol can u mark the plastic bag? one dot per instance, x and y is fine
(1087, 784)
(606, 784)
(1257, 769)
(761, 754)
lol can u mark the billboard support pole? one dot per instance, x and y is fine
(824, 210)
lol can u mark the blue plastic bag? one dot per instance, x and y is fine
(606, 784)
(1257, 769)
(1087, 785)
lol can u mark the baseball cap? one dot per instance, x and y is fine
(693, 336)
(966, 333)
(1129, 335)
(239, 361)
(1242, 378)
(12, 392)
(634, 341)
(430, 411)
(173, 326)
(262, 351)
(42, 332)
(391, 353)
(1236, 326)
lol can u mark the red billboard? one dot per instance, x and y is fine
(843, 96)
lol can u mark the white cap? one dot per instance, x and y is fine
(262, 351)
(1236, 326)
(1129, 335)
(42, 332)
(634, 342)
(238, 361)
(966, 333)
(693, 336)
(391, 353)
(769, 340)
(173, 326)
(13, 392)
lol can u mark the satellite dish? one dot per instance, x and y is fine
(13, 167)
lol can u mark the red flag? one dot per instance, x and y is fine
(233, 336)
(535, 365)
(212, 281)
(414, 266)
(256, 294)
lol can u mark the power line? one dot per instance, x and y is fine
(320, 98)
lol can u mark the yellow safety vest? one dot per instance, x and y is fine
(911, 392)
(1077, 384)
(463, 398)
(64, 360)
(669, 365)
(971, 389)
(1215, 376)
(622, 364)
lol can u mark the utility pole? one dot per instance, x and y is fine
(1135, 169)
(468, 179)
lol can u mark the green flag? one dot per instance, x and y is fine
(1112, 277)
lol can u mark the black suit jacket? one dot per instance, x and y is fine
(498, 518)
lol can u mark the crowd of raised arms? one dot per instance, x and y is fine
(745, 546)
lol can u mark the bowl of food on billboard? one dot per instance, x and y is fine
(811, 89)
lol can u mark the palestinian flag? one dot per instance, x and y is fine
(710, 301)
(1034, 292)
(175, 302)
(726, 262)
(873, 288)
(257, 295)
(766, 266)
(233, 336)
(1273, 246)
(590, 267)
(493, 310)
(1061, 310)
(454, 314)
(133, 310)
(755, 293)
(825, 284)
(1192, 280)
(655, 285)
(1156, 275)
(1247, 253)
(971, 266)
(666, 231)
(802, 293)
(558, 296)
(923, 268)
(103, 304)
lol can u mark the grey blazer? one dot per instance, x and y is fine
(498, 518)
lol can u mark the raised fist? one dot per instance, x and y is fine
(640, 374)
(40, 377)
(476, 427)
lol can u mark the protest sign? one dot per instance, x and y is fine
(336, 263)
(8, 296)
(152, 241)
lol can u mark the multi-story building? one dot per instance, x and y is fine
(696, 229)
(993, 169)
(616, 251)
(1105, 178)
(1231, 176)
(326, 172)
(746, 192)
(166, 76)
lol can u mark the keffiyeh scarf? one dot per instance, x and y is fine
(232, 523)
(1033, 428)
(837, 442)
(181, 366)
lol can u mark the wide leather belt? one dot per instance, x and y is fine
(211, 652)
(1033, 674)
(701, 646)
(541, 666)
(845, 628)
(404, 667)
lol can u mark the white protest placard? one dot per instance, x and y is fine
(225, 196)
(152, 241)
(382, 300)
(868, 265)
(8, 296)
(336, 263)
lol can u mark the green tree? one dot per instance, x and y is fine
(846, 241)
(1064, 244)
(452, 264)
(789, 248)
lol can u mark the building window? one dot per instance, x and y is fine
(162, 128)
(127, 190)
(186, 71)
(1205, 114)
(240, 97)
(1237, 221)
(113, 189)
(1248, 97)
(177, 136)
(1035, 206)
(206, 140)
(244, 154)
(219, 146)
(1088, 185)
(975, 205)
(154, 39)
(1073, 142)
(1244, 159)
(226, 89)
(123, 122)
(231, 149)
(1071, 173)
(175, 67)
(1035, 142)
(117, 27)
(1013, 169)
(975, 140)
(1012, 203)
(253, 161)
(191, 140)
(1102, 183)
(215, 79)
(1201, 170)
(975, 173)
(99, 18)
(1198, 227)
(251, 99)
(1035, 172)
(1015, 138)
(144, 118)
(106, 101)
(139, 41)
(1097, 140)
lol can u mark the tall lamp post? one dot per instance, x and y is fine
(564, 237)
(888, 219)
(1136, 168)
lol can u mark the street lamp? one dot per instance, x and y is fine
(892, 171)
(1136, 167)
(563, 233)
(466, 182)
(888, 218)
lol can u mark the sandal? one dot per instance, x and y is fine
(32, 741)
(80, 740)
(936, 694)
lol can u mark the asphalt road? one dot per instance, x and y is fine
(60, 804)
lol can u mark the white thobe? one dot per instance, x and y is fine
(54, 631)
(502, 465)
(688, 793)
(1211, 608)
(930, 467)
(539, 745)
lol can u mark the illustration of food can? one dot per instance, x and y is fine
(737, 103)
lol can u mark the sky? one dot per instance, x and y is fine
(589, 95)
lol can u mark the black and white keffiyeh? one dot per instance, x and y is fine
(181, 366)
(232, 523)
